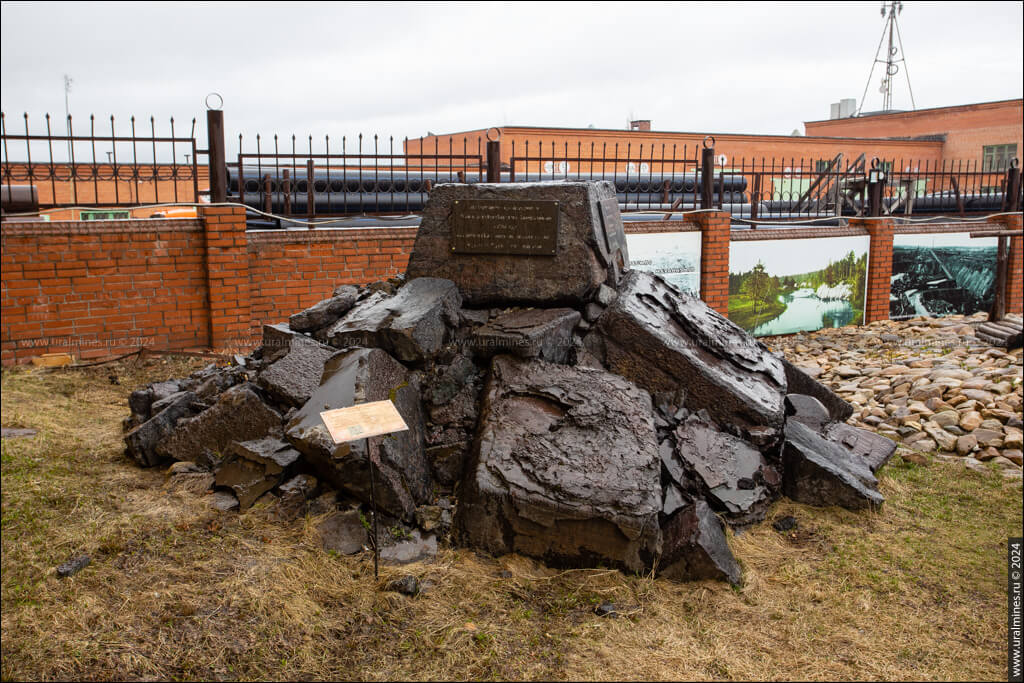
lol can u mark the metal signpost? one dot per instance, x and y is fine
(361, 422)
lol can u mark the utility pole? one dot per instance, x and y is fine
(893, 58)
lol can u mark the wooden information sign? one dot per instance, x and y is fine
(363, 421)
(505, 226)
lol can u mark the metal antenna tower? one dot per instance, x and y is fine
(893, 58)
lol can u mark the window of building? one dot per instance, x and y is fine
(998, 157)
(103, 215)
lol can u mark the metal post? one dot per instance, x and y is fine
(875, 199)
(266, 194)
(494, 161)
(215, 151)
(310, 204)
(707, 177)
(998, 310)
(1013, 187)
(287, 187)
(373, 511)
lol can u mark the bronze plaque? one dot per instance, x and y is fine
(505, 226)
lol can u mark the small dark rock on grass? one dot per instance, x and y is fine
(73, 566)
(606, 609)
(786, 523)
(407, 585)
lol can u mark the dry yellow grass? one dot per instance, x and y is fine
(178, 591)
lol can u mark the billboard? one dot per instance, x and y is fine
(936, 275)
(673, 255)
(798, 285)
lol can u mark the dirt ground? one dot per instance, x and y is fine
(176, 590)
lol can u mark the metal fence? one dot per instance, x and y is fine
(53, 169)
(364, 176)
(300, 178)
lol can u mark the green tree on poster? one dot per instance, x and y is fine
(757, 286)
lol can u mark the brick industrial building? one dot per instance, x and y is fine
(989, 131)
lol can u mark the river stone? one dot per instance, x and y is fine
(663, 340)
(970, 420)
(143, 442)
(325, 312)
(695, 547)
(565, 468)
(982, 397)
(870, 449)
(966, 443)
(820, 472)
(799, 382)
(251, 468)
(730, 468)
(944, 439)
(591, 247)
(400, 469)
(946, 418)
(294, 377)
(989, 437)
(412, 325)
(544, 333)
(238, 415)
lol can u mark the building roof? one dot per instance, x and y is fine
(899, 113)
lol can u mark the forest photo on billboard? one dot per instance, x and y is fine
(944, 274)
(798, 285)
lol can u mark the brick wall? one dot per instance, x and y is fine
(102, 288)
(714, 259)
(292, 270)
(880, 230)
(1015, 271)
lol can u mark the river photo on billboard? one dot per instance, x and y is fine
(799, 285)
(935, 275)
(674, 256)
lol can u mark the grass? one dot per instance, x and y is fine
(748, 314)
(178, 591)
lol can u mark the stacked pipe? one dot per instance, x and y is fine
(399, 190)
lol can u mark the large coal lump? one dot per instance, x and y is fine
(734, 474)
(251, 468)
(695, 547)
(402, 474)
(664, 340)
(238, 415)
(412, 325)
(293, 378)
(590, 246)
(820, 472)
(565, 468)
(544, 333)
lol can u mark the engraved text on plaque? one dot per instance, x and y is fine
(504, 226)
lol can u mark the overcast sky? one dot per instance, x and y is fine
(405, 69)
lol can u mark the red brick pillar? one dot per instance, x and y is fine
(714, 259)
(879, 266)
(227, 274)
(1015, 267)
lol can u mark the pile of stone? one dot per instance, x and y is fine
(930, 384)
(561, 406)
